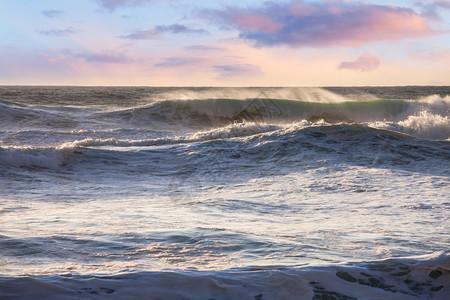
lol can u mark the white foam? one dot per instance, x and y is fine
(233, 130)
(435, 99)
(426, 118)
(42, 157)
(230, 131)
(396, 278)
(427, 125)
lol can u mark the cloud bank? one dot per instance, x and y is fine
(321, 24)
(365, 63)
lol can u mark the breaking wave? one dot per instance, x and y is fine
(41, 157)
(424, 118)
(243, 144)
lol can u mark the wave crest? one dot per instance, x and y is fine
(427, 125)
(25, 156)
(425, 118)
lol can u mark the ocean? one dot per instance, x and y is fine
(224, 193)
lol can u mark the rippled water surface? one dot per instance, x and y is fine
(318, 192)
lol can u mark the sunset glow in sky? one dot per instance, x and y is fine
(224, 43)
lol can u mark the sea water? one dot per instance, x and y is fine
(224, 193)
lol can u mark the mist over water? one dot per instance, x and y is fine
(225, 193)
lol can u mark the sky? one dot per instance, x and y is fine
(224, 43)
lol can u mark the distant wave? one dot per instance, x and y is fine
(425, 118)
(266, 110)
(15, 115)
(261, 110)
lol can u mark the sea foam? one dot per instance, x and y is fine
(425, 277)
(49, 157)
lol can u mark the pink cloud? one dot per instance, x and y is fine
(322, 24)
(257, 23)
(54, 58)
(365, 63)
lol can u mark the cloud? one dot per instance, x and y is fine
(178, 62)
(106, 57)
(430, 8)
(109, 57)
(365, 63)
(159, 31)
(58, 32)
(177, 28)
(151, 34)
(203, 48)
(238, 70)
(112, 5)
(52, 13)
(54, 58)
(321, 24)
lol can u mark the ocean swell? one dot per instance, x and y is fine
(425, 118)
